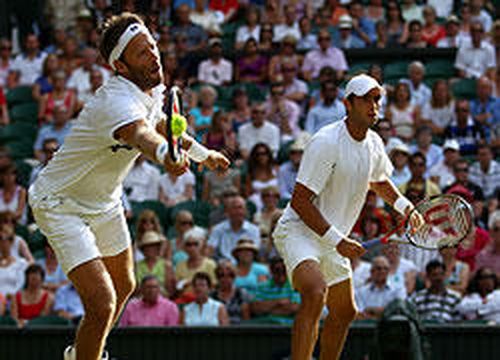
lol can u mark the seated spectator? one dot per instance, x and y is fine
(4, 113)
(432, 32)
(433, 153)
(395, 23)
(436, 303)
(44, 84)
(438, 112)
(5, 59)
(54, 275)
(402, 113)
(220, 135)
(69, 58)
(457, 272)
(251, 29)
(12, 195)
(203, 113)
(147, 220)
(382, 39)
(308, 40)
(143, 181)
(329, 110)
(175, 249)
(411, 10)
(480, 14)
(477, 57)
(60, 97)
(414, 38)
(241, 108)
(462, 185)
(152, 264)
(443, 8)
(295, 89)
(326, 55)
(203, 311)
(399, 155)
(28, 64)
(347, 38)
(67, 304)
(195, 35)
(217, 181)
(151, 308)
(193, 243)
(374, 10)
(207, 18)
(464, 129)
(176, 189)
(326, 73)
(486, 171)
(11, 268)
(270, 197)
(282, 112)
(466, 19)
(485, 109)
(454, 38)
(420, 93)
(275, 301)
(33, 301)
(369, 229)
(287, 54)
(288, 170)
(249, 273)
(19, 247)
(58, 129)
(360, 272)
(261, 173)
(266, 38)
(363, 27)
(234, 298)
(471, 246)
(402, 272)
(482, 300)
(219, 214)
(96, 80)
(490, 256)
(425, 187)
(443, 172)
(49, 147)
(373, 297)
(216, 70)
(225, 235)
(251, 66)
(372, 210)
(228, 8)
(289, 26)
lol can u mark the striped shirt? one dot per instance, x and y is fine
(270, 291)
(437, 307)
(489, 181)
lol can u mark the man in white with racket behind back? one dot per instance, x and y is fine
(76, 197)
(339, 165)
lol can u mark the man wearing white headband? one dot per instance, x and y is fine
(340, 164)
(76, 199)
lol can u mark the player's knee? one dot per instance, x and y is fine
(345, 314)
(314, 296)
(128, 285)
(101, 306)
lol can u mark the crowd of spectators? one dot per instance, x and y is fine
(259, 78)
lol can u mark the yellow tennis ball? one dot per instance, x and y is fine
(179, 125)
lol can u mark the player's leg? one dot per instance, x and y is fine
(96, 290)
(309, 281)
(341, 312)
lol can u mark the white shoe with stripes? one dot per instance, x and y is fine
(70, 354)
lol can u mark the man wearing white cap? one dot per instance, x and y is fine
(76, 198)
(442, 173)
(340, 164)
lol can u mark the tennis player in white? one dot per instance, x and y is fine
(340, 164)
(76, 198)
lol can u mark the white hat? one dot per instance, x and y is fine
(300, 142)
(345, 22)
(360, 85)
(451, 144)
(402, 147)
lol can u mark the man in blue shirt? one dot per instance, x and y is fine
(67, 303)
(57, 130)
(288, 170)
(465, 130)
(327, 111)
(485, 109)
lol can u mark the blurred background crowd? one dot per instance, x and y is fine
(259, 78)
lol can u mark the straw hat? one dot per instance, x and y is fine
(150, 238)
(245, 244)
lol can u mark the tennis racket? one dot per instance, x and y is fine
(174, 106)
(447, 221)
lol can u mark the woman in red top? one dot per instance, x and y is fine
(431, 31)
(59, 96)
(33, 300)
(4, 114)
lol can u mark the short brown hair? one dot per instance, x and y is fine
(111, 30)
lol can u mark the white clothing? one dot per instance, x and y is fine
(91, 165)
(14, 250)
(484, 18)
(174, 190)
(31, 69)
(208, 20)
(215, 74)
(472, 307)
(403, 121)
(13, 204)
(244, 33)
(268, 133)
(443, 7)
(460, 40)
(444, 173)
(475, 61)
(143, 182)
(80, 80)
(441, 117)
(282, 30)
(398, 278)
(361, 274)
(12, 277)
(370, 296)
(207, 316)
(338, 169)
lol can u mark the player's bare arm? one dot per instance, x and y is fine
(143, 137)
(302, 203)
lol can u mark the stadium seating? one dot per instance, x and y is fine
(160, 210)
(7, 321)
(19, 95)
(200, 210)
(26, 113)
(50, 320)
(394, 71)
(464, 89)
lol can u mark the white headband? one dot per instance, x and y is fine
(132, 30)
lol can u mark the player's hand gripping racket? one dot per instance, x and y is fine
(447, 220)
(173, 111)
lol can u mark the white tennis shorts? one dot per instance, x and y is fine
(296, 243)
(77, 237)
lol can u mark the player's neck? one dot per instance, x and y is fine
(356, 131)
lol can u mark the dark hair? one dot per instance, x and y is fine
(201, 276)
(275, 260)
(147, 278)
(252, 159)
(417, 155)
(398, 7)
(32, 269)
(434, 264)
(111, 30)
(483, 146)
(328, 82)
(434, 91)
(413, 23)
(423, 129)
(474, 282)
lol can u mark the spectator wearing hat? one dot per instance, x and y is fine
(153, 264)
(193, 243)
(288, 170)
(234, 298)
(347, 39)
(249, 273)
(420, 93)
(225, 235)
(329, 110)
(486, 171)
(453, 38)
(442, 173)
(151, 308)
(290, 26)
(251, 29)
(216, 70)
(203, 311)
(399, 155)
(326, 55)
(433, 153)
(270, 197)
(490, 255)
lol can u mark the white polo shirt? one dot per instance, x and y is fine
(475, 61)
(339, 169)
(30, 69)
(91, 165)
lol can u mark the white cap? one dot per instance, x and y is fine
(451, 144)
(345, 22)
(360, 85)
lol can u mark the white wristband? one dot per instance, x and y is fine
(161, 151)
(332, 237)
(401, 204)
(198, 152)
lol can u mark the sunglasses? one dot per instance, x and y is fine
(261, 153)
(462, 169)
(186, 222)
(418, 164)
(191, 243)
(225, 274)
